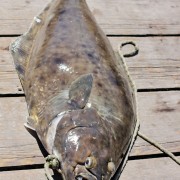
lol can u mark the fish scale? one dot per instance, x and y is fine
(81, 101)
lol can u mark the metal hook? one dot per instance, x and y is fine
(134, 53)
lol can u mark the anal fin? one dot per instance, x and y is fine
(29, 125)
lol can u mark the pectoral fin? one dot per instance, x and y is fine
(80, 90)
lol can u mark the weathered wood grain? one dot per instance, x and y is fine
(9, 81)
(158, 63)
(35, 174)
(124, 17)
(159, 113)
(156, 66)
(17, 146)
(146, 169)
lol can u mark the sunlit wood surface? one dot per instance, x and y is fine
(155, 27)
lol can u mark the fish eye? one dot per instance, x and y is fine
(90, 162)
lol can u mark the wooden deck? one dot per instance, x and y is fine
(155, 27)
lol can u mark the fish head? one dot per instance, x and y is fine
(83, 146)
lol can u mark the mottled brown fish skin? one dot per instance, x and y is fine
(68, 45)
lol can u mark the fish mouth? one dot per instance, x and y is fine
(81, 173)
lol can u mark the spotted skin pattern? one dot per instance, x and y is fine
(63, 47)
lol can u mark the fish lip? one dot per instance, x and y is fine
(85, 176)
(84, 173)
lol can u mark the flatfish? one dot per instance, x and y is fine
(80, 99)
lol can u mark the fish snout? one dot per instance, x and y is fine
(81, 173)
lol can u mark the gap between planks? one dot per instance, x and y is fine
(138, 90)
(114, 35)
(147, 170)
(157, 65)
(115, 17)
(130, 158)
(158, 114)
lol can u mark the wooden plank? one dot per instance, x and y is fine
(156, 66)
(17, 146)
(148, 169)
(159, 113)
(115, 17)
(9, 81)
(35, 174)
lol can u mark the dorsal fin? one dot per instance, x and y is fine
(21, 48)
(80, 90)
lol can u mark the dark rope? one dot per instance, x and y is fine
(51, 163)
(134, 53)
(174, 158)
